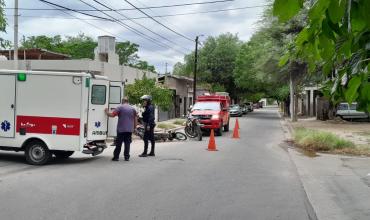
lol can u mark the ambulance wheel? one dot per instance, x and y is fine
(63, 154)
(37, 153)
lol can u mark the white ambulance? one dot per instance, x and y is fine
(55, 113)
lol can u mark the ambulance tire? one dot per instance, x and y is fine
(37, 153)
(63, 154)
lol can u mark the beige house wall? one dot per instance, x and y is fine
(114, 72)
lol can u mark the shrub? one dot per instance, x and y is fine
(179, 121)
(320, 140)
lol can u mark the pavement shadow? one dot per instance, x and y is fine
(14, 157)
(72, 160)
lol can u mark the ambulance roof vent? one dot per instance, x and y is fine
(106, 44)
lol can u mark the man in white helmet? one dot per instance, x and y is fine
(149, 124)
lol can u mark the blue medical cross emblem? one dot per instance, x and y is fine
(97, 124)
(5, 126)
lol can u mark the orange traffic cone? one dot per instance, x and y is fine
(212, 142)
(236, 130)
(237, 124)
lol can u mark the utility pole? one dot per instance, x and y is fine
(15, 53)
(292, 99)
(166, 68)
(195, 69)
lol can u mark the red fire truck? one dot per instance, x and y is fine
(213, 112)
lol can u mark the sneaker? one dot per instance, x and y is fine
(127, 159)
(115, 159)
(143, 155)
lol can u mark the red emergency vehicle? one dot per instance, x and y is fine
(213, 112)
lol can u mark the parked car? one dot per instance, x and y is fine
(244, 109)
(346, 111)
(249, 106)
(236, 110)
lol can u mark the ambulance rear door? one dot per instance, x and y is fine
(115, 98)
(97, 120)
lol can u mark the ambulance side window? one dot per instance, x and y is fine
(115, 95)
(98, 94)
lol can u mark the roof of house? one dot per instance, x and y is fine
(36, 54)
(179, 77)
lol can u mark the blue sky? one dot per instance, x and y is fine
(243, 22)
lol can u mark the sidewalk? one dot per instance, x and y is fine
(337, 186)
(357, 132)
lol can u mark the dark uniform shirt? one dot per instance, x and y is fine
(148, 115)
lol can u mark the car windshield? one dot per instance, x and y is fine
(207, 106)
(235, 107)
(343, 106)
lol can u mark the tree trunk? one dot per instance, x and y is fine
(293, 112)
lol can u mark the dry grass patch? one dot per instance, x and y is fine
(166, 126)
(313, 140)
(357, 151)
(179, 121)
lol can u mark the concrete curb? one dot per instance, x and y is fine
(334, 189)
(288, 133)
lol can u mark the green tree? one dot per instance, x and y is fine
(334, 43)
(178, 69)
(3, 43)
(82, 46)
(78, 47)
(42, 41)
(162, 96)
(127, 52)
(144, 65)
(256, 70)
(216, 62)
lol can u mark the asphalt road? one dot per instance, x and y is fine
(250, 178)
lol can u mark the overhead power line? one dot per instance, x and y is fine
(70, 9)
(128, 9)
(168, 28)
(86, 22)
(153, 40)
(151, 31)
(160, 16)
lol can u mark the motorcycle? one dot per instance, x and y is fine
(193, 127)
(163, 136)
